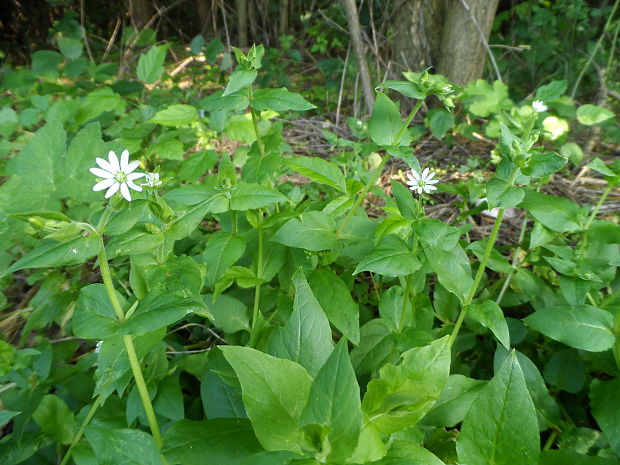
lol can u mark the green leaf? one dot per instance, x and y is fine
(408, 89)
(483, 98)
(556, 213)
(70, 48)
(123, 446)
(151, 64)
(160, 309)
(6, 415)
(564, 457)
(439, 121)
(591, 114)
(54, 418)
(547, 410)
(229, 314)
(605, 405)
(210, 442)
(502, 195)
(275, 392)
(406, 453)
(501, 426)
(551, 91)
(390, 257)
(319, 170)
(45, 62)
(9, 122)
(335, 299)
(175, 115)
(279, 100)
(51, 254)
(218, 102)
(599, 165)
(222, 251)
(334, 402)
(73, 179)
(240, 79)
(169, 400)
(452, 269)
(544, 164)
(581, 326)
(249, 196)
(386, 124)
(496, 262)
(94, 317)
(306, 338)
(311, 231)
(391, 309)
(376, 347)
(509, 144)
(454, 401)
(404, 393)
(490, 315)
(407, 204)
(565, 370)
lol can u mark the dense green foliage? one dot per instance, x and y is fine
(244, 308)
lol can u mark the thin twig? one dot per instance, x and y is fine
(344, 73)
(82, 23)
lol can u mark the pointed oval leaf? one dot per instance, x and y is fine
(501, 426)
(581, 326)
(274, 391)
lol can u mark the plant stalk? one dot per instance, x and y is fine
(80, 432)
(259, 140)
(259, 269)
(130, 348)
(597, 207)
(483, 264)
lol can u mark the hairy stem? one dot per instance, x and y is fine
(259, 140)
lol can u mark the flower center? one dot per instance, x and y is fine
(120, 177)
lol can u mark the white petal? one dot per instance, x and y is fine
(434, 181)
(133, 186)
(411, 183)
(101, 173)
(125, 161)
(103, 184)
(412, 188)
(112, 190)
(420, 189)
(104, 164)
(125, 192)
(428, 189)
(430, 176)
(414, 175)
(114, 161)
(134, 176)
(131, 166)
(425, 173)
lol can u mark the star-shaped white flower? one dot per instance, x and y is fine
(117, 175)
(422, 182)
(539, 106)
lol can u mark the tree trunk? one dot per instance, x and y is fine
(242, 23)
(358, 47)
(140, 12)
(443, 34)
(284, 7)
(465, 39)
(418, 28)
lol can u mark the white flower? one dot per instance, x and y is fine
(422, 182)
(539, 106)
(98, 347)
(117, 175)
(152, 180)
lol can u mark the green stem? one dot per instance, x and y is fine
(406, 302)
(259, 269)
(143, 390)
(483, 264)
(80, 432)
(373, 179)
(259, 140)
(515, 259)
(408, 120)
(129, 347)
(598, 206)
(550, 440)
